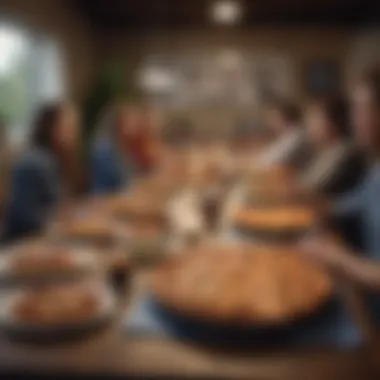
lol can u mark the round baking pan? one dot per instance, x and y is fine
(236, 334)
(286, 235)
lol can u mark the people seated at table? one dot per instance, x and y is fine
(38, 181)
(337, 165)
(362, 268)
(288, 148)
(112, 164)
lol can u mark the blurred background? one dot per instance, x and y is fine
(211, 62)
(187, 71)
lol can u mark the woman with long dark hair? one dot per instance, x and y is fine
(337, 166)
(39, 176)
(364, 201)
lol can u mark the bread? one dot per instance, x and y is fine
(56, 305)
(36, 259)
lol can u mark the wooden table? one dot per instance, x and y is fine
(113, 354)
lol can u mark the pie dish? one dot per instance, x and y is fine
(63, 305)
(136, 207)
(146, 242)
(144, 231)
(282, 221)
(163, 188)
(88, 228)
(258, 286)
(269, 175)
(45, 260)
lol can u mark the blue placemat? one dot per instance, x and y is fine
(332, 327)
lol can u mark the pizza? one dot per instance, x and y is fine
(290, 218)
(251, 285)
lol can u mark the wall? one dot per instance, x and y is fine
(364, 51)
(57, 19)
(300, 45)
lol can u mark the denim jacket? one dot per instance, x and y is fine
(109, 171)
(35, 191)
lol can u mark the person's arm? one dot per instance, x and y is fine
(337, 258)
(320, 175)
(349, 204)
(274, 153)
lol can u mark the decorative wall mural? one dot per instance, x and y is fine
(228, 78)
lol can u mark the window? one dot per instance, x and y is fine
(30, 73)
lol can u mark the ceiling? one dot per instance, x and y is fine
(176, 14)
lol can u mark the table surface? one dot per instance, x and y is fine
(113, 353)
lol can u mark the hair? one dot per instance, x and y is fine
(288, 110)
(44, 125)
(370, 78)
(336, 109)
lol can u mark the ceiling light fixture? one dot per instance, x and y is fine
(226, 12)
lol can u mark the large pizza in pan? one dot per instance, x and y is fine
(259, 286)
(286, 220)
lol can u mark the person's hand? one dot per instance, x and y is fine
(326, 250)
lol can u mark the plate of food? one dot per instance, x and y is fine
(88, 228)
(268, 176)
(163, 188)
(135, 207)
(57, 312)
(287, 222)
(262, 286)
(145, 242)
(45, 261)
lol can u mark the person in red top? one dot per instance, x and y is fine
(142, 141)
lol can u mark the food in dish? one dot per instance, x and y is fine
(145, 231)
(46, 259)
(253, 285)
(41, 258)
(269, 175)
(276, 219)
(145, 242)
(88, 227)
(56, 305)
(136, 207)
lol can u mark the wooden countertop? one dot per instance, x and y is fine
(112, 354)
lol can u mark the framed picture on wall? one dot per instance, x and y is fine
(321, 77)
